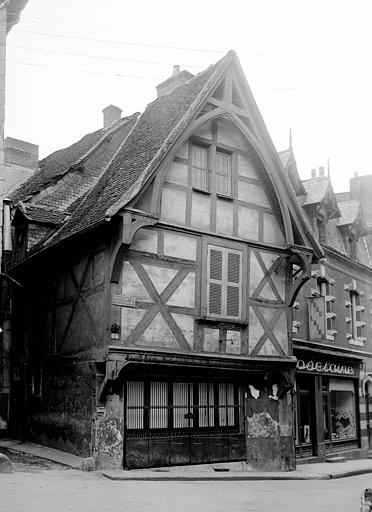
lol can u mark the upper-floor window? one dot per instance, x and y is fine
(223, 173)
(356, 317)
(200, 167)
(224, 282)
(211, 167)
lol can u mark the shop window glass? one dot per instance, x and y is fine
(343, 419)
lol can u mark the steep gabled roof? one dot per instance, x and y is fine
(349, 212)
(153, 135)
(156, 130)
(316, 190)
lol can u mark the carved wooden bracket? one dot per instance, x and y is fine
(113, 369)
(302, 259)
(131, 223)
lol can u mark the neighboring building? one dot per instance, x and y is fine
(331, 327)
(18, 160)
(159, 260)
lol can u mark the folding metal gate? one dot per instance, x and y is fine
(169, 422)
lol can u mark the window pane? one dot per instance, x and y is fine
(223, 173)
(158, 405)
(199, 167)
(343, 414)
(135, 404)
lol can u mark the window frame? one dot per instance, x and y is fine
(212, 150)
(204, 296)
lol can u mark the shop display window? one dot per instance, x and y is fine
(343, 413)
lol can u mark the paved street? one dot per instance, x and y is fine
(57, 490)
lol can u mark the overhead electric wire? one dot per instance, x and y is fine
(121, 75)
(181, 48)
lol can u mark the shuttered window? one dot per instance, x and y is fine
(200, 167)
(224, 282)
(223, 173)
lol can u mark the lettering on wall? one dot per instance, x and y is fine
(327, 367)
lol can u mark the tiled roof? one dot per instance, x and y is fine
(316, 189)
(40, 215)
(55, 165)
(349, 212)
(333, 237)
(156, 129)
(284, 156)
(363, 254)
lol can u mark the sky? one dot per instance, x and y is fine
(309, 65)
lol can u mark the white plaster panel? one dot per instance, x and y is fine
(184, 296)
(132, 286)
(280, 331)
(184, 151)
(179, 246)
(247, 223)
(160, 276)
(255, 273)
(158, 334)
(233, 342)
(246, 167)
(200, 215)
(267, 292)
(145, 240)
(255, 330)
(186, 325)
(228, 135)
(211, 340)
(273, 232)
(177, 173)
(173, 206)
(205, 131)
(130, 317)
(224, 220)
(267, 349)
(254, 194)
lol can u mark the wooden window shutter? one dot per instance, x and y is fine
(233, 287)
(224, 282)
(215, 261)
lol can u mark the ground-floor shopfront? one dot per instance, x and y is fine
(173, 414)
(327, 405)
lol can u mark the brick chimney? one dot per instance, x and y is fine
(313, 173)
(111, 115)
(321, 171)
(178, 78)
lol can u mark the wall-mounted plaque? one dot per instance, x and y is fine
(120, 300)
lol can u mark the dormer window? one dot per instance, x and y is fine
(352, 243)
(321, 227)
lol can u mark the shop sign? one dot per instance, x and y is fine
(319, 367)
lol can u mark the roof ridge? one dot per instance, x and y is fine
(168, 142)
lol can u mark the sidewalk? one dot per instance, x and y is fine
(317, 471)
(44, 452)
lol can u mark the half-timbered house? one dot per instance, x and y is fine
(159, 260)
